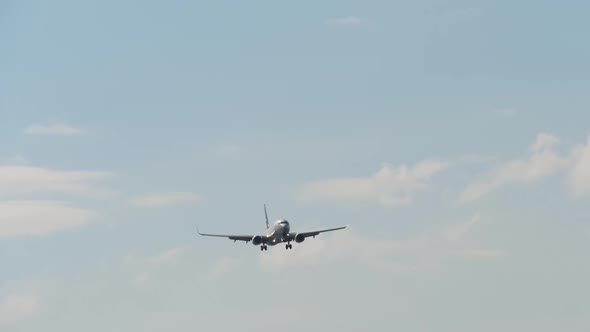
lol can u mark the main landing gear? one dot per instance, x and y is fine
(264, 247)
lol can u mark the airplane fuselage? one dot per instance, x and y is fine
(277, 233)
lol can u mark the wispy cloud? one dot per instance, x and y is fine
(15, 160)
(422, 251)
(579, 176)
(543, 160)
(52, 129)
(165, 257)
(166, 199)
(390, 186)
(146, 267)
(457, 232)
(19, 306)
(223, 266)
(19, 218)
(348, 21)
(28, 180)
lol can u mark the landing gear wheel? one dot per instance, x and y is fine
(288, 246)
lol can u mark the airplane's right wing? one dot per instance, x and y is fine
(246, 238)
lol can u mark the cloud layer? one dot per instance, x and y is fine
(21, 217)
(147, 267)
(30, 180)
(579, 175)
(390, 186)
(19, 306)
(35, 217)
(52, 129)
(543, 160)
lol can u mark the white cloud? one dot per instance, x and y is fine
(16, 160)
(18, 218)
(579, 176)
(36, 217)
(543, 160)
(142, 279)
(223, 266)
(348, 21)
(28, 180)
(420, 252)
(390, 186)
(165, 257)
(545, 142)
(166, 199)
(52, 129)
(19, 306)
(456, 233)
(146, 268)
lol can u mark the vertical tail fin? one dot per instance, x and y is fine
(266, 216)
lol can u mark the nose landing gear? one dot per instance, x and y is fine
(263, 247)
(288, 246)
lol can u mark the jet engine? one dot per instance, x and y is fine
(299, 238)
(257, 240)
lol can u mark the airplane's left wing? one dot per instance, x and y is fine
(304, 235)
(246, 238)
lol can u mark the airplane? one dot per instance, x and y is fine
(279, 232)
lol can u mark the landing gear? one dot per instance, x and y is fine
(263, 247)
(288, 246)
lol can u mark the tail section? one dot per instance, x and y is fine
(266, 216)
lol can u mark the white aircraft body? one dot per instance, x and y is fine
(279, 232)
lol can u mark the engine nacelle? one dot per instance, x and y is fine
(299, 238)
(257, 240)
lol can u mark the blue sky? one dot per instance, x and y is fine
(451, 136)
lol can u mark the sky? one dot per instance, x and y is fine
(452, 137)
